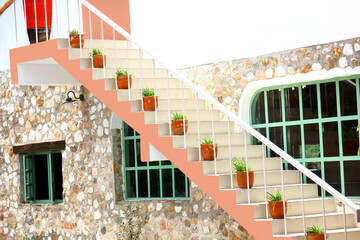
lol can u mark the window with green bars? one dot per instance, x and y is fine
(43, 177)
(315, 123)
(149, 180)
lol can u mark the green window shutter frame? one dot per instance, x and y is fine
(28, 165)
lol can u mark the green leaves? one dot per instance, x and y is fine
(207, 140)
(96, 51)
(177, 116)
(121, 71)
(240, 166)
(274, 197)
(74, 31)
(147, 92)
(314, 229)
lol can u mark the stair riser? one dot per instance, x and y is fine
(337, 236)
(98, 73)
(296, 225)
(295, 208)
(108, 44)
(120, 62)
(291, 192)
(164, 117)
(175, 105)
(222, 139)
(110, 83)
(174, 93)
(205, 128)
(223, 152)
(272, 178)
(74, 53)
(256, 165)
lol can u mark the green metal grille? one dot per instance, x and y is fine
(30, 171)
(149, 180)
(315, 122)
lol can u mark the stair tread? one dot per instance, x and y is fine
(327, 231)
(309, 216)
(227, 145)
(227, 159)
(272, 186)
(267, 171)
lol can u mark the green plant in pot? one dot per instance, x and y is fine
(207, 149)
(99, 58)
(177, 123)
(75, 39)
(315, 233)
(148, 95)
(276, 205)
(241, 173)
(123, 78)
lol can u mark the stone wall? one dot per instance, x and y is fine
(226, 81)
(91, 174)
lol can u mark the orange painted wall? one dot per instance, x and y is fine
(116, 10)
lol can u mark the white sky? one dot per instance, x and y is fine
(184, 33)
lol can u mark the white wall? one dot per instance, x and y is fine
(191, 32)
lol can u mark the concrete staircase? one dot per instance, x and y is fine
(248, 208)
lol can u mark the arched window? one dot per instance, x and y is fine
(149, 180)
(316, 124)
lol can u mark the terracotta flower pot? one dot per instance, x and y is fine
(177, 126)
(276, 209)
(315, 236)
(242, 179)
(122, 81)
(75, 40)
(207, 151)
(149, 103)
(98, 61)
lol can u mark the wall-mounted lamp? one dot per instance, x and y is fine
(74, 99)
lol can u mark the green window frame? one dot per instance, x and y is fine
(30, 170)
(149, 180)
(286, 109)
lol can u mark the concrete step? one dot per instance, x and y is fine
(272, 178)
(223, 165)
(127, 64)
(162, 116)
(174, 93)
(98, 73)
(109, 44)
(110, 83)
(334, 234)
(74, 53)
(311, 206)
(223, 152)
(205, 128)
(294, 224)
(192, 140)
(292, 191)
(175, 105)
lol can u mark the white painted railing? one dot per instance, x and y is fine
(214, 104)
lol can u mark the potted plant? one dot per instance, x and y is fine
(75, 39)
(276, 206)
(123, 78)
(315, 233)
(241, 173)
(149, 99)
(177, 123)
(207, 149)
(97, 55)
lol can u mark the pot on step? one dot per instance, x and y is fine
(177, 126)
(149, 103)
(315, 236)
(207, 151)
(276, 209)
(75, 40)
(123, 81)
(241, 178)
(98, 60)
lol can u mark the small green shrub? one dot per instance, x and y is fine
(74, 31)
(130, 224)
(177, 116)
(121, 71)
(147, 92)
(240, 166)
(274, 197)
(96, 51)
(314, 229)
(207, 140)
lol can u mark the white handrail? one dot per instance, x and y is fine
(235, 118)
